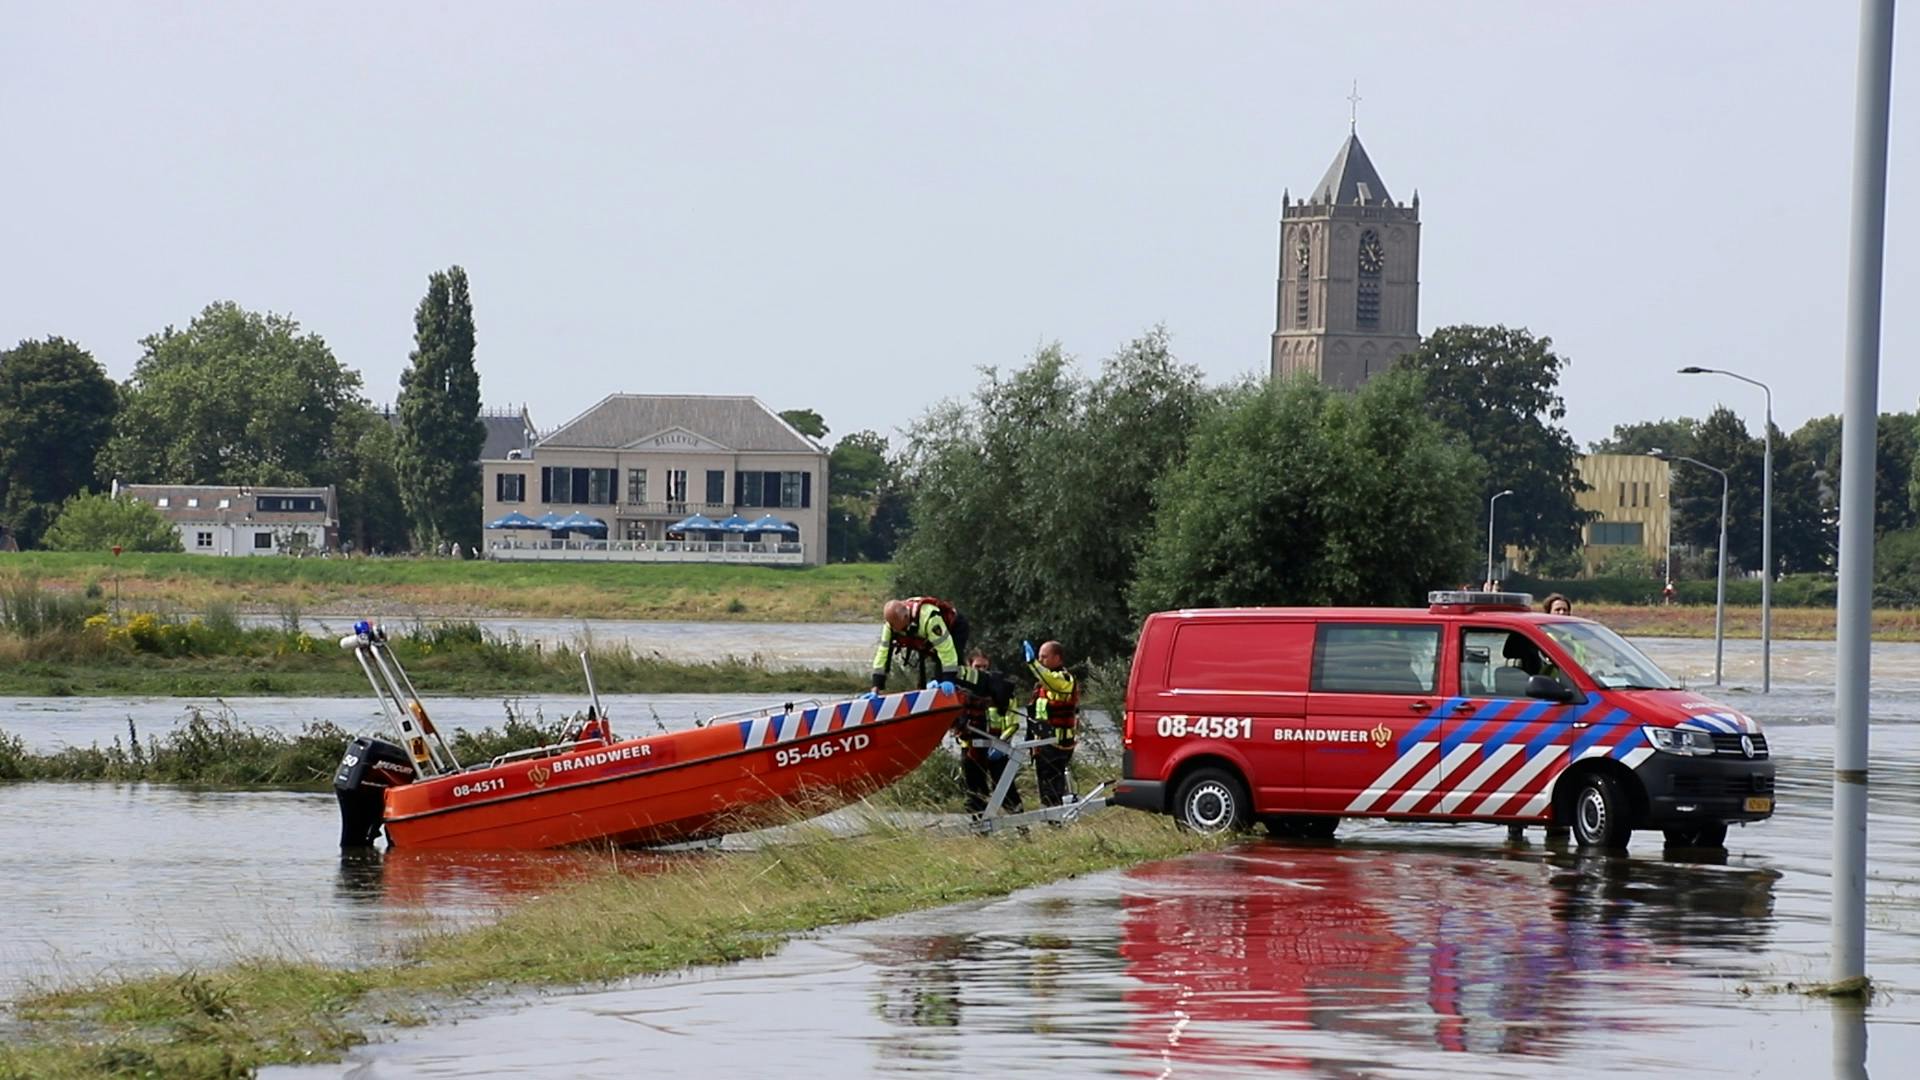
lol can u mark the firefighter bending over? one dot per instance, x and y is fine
(928, 631)
(1056, 702)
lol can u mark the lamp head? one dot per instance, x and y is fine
(1691, 369)
(1659, 454)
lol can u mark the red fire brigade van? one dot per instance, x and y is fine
(1476, 708)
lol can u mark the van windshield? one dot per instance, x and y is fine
(1607, 657)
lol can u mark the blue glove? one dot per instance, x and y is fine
(940, 684)
(1031, 654)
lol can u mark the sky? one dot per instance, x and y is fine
(854, 206)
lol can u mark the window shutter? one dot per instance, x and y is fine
(770, 489)
(806, 490)
(740, 489)
(546, 483)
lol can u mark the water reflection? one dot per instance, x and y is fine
(1426, 945)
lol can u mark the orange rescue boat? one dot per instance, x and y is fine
(730, 774)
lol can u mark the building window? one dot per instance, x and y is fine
(288, 504)
(162, 502)
(193, 501)
(716, 487)
(226, 504)
(510, 487)
(636, 530)
(203, 539)
(636, 490)
(263, 541)
(1373, 262)
(746, 488)
(559, 484)
(1616, 534)
(1623, 493)
(677, 487)
(791, 486)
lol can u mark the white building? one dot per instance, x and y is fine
(220, 520)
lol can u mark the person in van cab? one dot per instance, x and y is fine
(1056, 704)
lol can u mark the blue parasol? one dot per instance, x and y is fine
(515, 520)
(769, 523)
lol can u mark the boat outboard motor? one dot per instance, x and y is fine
(368, 768)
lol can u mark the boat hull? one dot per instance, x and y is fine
(727, 777)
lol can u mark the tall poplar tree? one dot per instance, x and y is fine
(440, 430)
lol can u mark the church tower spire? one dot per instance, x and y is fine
(1349, 286)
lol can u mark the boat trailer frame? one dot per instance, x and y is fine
(1019, 752)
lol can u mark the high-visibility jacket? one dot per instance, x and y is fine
(1056, 702)
(929, 632)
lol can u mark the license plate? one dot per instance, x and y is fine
(1760, 805)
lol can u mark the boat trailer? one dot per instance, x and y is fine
(1019, 752)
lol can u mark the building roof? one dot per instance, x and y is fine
(242, 503)
(1352, 178)
(738, 423)
(506, 430)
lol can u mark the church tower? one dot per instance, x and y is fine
(1349, 276)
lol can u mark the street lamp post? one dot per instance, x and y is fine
(1766, 528)
(1720, 591)
(1490, 505)
(1666, 585)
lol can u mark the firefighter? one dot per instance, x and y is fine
(1056, 701)
(971, 730)
(924, 628)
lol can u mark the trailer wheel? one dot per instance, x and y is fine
(1212, 801)
(1600, 813)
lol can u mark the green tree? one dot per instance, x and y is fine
(1723, 442)
(91, 522)
(237, 397)
(807, 422)
(1031, 504)
(1498, 389)
(1295, 494)
(56, 412)
(1674, 436)
(372, 516)
(857, 470)
(441, 433)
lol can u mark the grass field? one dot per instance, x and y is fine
(391, 587)
(1789, 624)
(660, 913)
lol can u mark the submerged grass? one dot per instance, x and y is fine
(701, 908)
(213, 748)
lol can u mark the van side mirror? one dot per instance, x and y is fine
(1548, 688)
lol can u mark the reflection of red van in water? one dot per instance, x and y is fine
(1226, 951)
(1474, 709)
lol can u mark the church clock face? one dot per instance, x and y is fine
(1302, 250)
(1372, 255)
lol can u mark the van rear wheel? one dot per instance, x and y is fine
(1212, 801)
(1600, 812)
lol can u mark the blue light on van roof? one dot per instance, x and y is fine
(1474, 598)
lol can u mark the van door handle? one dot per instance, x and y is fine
(1420, 706)
(1465, 706)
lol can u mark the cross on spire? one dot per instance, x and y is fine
(1353, 108)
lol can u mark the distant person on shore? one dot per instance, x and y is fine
(1555, 604)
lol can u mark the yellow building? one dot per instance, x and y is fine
(1628, 493)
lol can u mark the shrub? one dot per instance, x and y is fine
(91, 522)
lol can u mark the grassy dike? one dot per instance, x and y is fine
(699, 909)
(398, 586)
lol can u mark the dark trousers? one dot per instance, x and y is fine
(980, 768)
(1050, 772)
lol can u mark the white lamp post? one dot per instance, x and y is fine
(1490, 505)
(1766, 528)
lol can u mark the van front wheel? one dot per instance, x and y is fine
(1212, 801)
(1600, 812)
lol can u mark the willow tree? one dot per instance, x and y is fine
(441, 434)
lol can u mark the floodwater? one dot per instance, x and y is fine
(1392, 950)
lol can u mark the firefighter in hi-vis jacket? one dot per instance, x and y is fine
(1056, 702)
(927, 631)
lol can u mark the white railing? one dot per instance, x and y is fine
(739, 551)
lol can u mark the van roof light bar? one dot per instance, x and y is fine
(1477, 600)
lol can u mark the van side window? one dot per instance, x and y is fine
(1352, 659)
(1248, 657)
(1497, 663)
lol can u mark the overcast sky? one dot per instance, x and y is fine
(851, 206)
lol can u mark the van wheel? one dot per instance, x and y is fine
(1699, 836)
(1212, 801)
(1600, 811)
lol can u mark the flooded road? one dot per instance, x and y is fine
(1394, 950)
